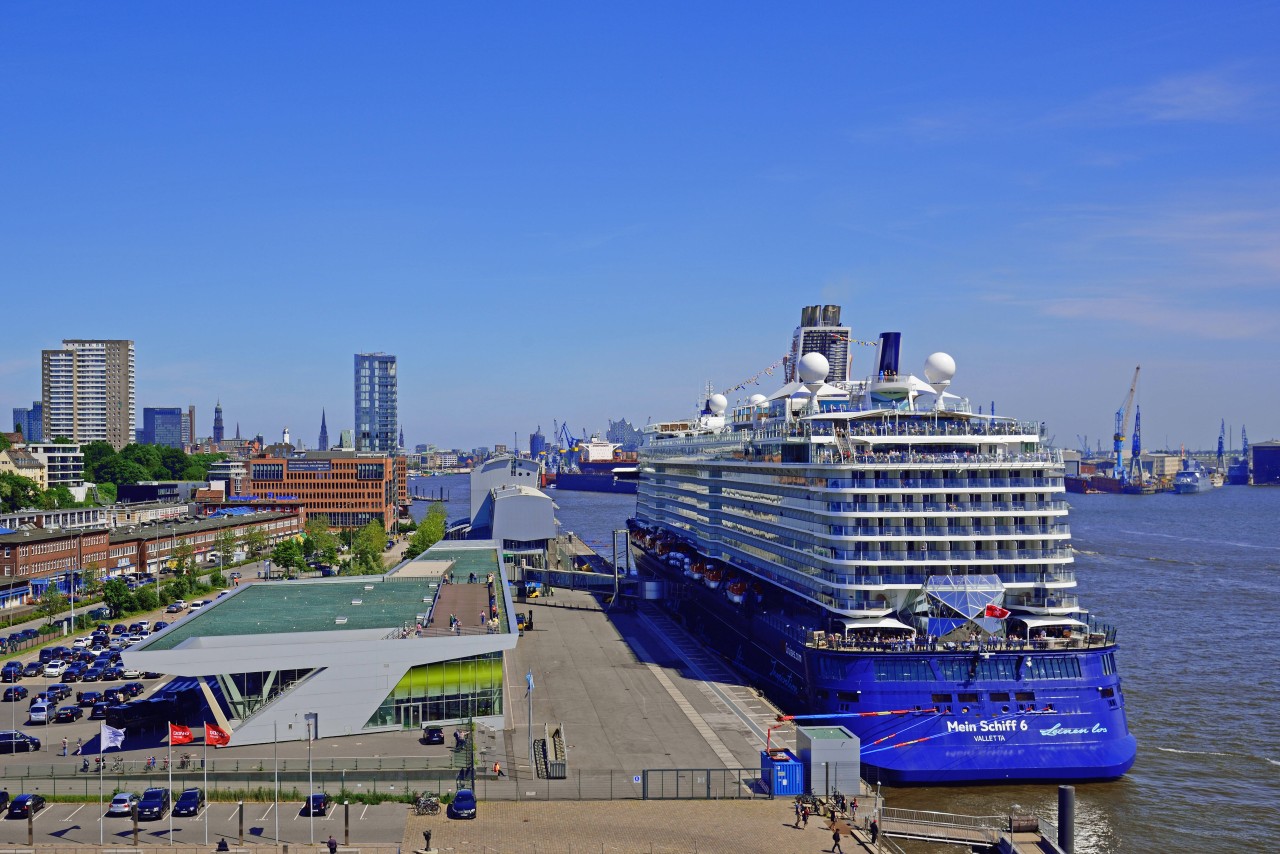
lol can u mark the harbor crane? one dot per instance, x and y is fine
(1222, 438)
(1122, 427)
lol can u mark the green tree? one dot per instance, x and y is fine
(174, 462)
(368, 546)
(146, 457)
(51, 605)
(287, 555)
(225, 546)
(17, 492)
(107, 493)
(430, 532)
(180, 559)
(147, 597)
(197, 467)
(117, 596)
(95, 454)
(324, 543)
(255, 541)
(118, 470)
(4, 441)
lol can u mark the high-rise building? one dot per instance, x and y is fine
(87, 391)
(218, 435)
(189, 426)
(323, 444)
(30, 421)
(820, 332)
(377, 413)
(163, 426)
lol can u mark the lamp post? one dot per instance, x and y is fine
(311, 804)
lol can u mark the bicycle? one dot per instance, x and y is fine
(117, 766)
(185, 762)
(427, 805)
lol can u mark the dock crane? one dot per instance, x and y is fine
(1135, 450)
(1222, 438)
(1122, 427)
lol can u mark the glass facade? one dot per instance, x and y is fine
(443, 691)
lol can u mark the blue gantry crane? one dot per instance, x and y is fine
(1122, 427)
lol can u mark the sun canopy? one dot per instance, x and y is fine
(1037, 622)
(882, 623)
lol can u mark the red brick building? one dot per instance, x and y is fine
(350, 488)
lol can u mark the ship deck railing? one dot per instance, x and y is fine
(853, 643)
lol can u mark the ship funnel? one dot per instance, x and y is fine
(890, 347)
(809, 315)
(831, 315)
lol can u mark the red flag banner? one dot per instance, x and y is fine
(180, 734)
(997, 612)
(217, 736)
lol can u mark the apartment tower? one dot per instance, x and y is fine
(87, 391)
(377, 412)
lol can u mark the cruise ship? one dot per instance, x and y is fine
(875, 554)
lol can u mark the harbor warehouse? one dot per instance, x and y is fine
(354, 654)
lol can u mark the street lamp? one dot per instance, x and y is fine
(311, 786)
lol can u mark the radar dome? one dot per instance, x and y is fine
(717, 403)
(757, 399)
(813, 368)
(939, 368)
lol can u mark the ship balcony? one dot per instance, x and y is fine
(1047, 605)
(894, 425)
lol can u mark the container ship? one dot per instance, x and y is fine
(876, 554)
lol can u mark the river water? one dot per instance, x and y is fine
(1193, 584)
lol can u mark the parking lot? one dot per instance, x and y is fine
(86, 824)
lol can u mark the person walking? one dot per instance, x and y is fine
(804, 816)
(333, 844)
(497, 770)
(79, 745)
(875, 831)
(64, 747)
(798, 813)
(835, 843)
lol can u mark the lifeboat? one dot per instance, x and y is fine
(712, 577)
(695, 570)
(736, 591)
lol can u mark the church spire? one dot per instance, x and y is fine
(323, 444)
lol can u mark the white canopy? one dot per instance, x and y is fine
(881, 623)
(1037, 622)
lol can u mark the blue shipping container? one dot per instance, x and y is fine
(782, 772)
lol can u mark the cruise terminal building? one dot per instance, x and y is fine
(352, 654)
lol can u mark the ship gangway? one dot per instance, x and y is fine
(1016, 834)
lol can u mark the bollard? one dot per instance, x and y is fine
(31, 826)
(134, 812)
(1067, 819)
(346, 822)
(241, 823)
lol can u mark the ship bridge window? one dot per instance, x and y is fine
(999, 696)
(1109, 665)
(903, 671)
(1107, 692)
(967, 698)
(1052, 667)
(1024, 696)
(941, 698)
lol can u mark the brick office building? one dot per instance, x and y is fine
(350, 488)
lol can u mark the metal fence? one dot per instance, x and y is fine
(578, 785)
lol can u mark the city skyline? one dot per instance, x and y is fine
(578, 215)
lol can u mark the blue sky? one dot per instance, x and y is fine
(584, 212)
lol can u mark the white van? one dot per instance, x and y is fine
(39, 713)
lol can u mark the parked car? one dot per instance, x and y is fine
(89, 699)
(463, 804)
(39, 713)
(119, 629)
(132, 689)
(99, 613)
(196, 606)
(432, 735)
(99, 711)
(58, 691)
(130, 673)
(92, 673)
(11, 672)
(189, 802)
(29, 634)
(54, 669)
(123, 804)
(160, 626)
(154, 804)
(114, 696)
(15, 693)
(13, 741)
(69, 714)
(112, 673)
(317, 804)
(74, 672)
(34, 668)
(25, 805)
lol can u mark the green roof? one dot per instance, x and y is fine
(306, 606)
(389, 602)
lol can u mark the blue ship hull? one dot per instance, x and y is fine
(928, 717)
(599, 482)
